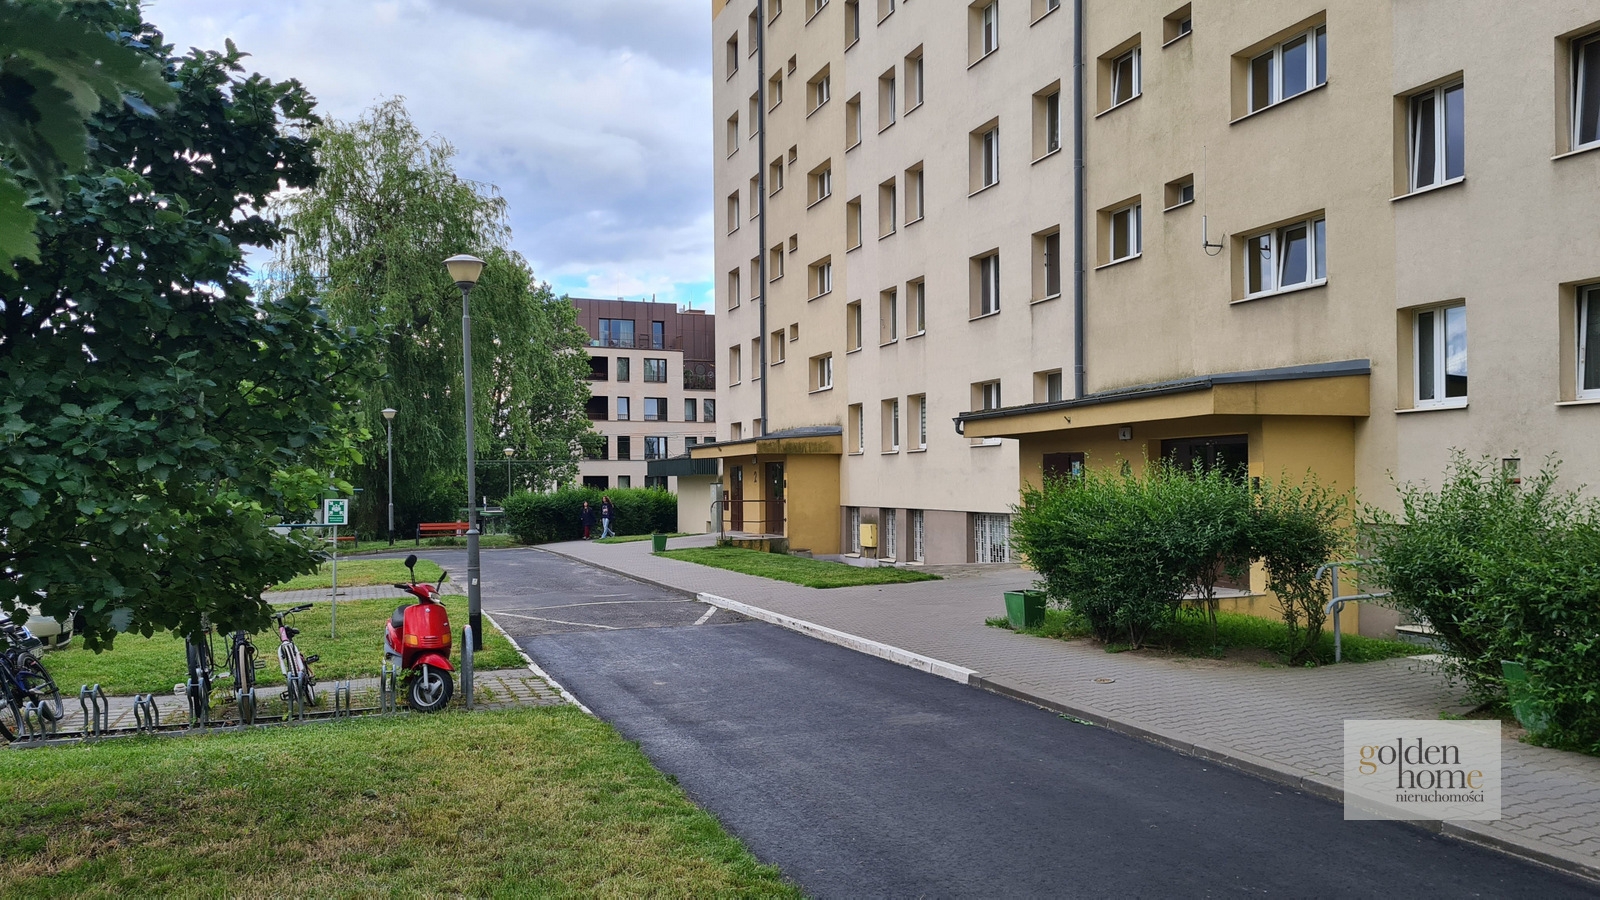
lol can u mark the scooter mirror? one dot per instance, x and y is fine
(411, 563)
(442, 576)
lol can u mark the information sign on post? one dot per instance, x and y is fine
(335, 513)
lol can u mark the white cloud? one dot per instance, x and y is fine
(591, 117)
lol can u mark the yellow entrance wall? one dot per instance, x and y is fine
(811, 506)
(1280, 447)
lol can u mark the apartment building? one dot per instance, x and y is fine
(1292, 220)
(652, 382)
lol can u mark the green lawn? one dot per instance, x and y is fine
(814, 573)
(139, 664)
(527, 802)
(1191, 636)
(630, 538)
(361, 573)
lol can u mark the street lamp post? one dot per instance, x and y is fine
(510, 452)
(464, 271)
(388, 425)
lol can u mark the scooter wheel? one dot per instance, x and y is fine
(430, 689)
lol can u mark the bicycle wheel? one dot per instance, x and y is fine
(243, 663)
(199, 687)
(10, 716)
(40, 687)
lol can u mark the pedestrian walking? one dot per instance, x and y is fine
(587, 517)
(607, 512)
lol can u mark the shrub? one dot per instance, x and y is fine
(1204, 528)
(1294, 530)
(1504, 571)
(557, 516)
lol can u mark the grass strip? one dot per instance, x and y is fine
(631, 538)
(137, 664)
(526, 802)
(1191, 636)
(814, 573)
(361, 573)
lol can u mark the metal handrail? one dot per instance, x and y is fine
(1335, 605)
(719, 507)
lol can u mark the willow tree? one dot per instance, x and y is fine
(371, 236)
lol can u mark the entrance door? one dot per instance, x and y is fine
(1230, 453)
(1062, 465)
(736, 497)
(774, 505)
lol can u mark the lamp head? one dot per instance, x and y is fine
(464, 269)
(389, 414)
(510, 452)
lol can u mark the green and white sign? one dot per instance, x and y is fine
(336, 512)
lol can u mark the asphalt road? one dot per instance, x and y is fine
(861, 778)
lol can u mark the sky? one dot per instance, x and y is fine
(593, 117)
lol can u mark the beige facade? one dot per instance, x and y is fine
(1282, 201)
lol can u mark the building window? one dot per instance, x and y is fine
(852, 322)
(1125, 233)
(624, 413)
(914, 79)
(755, 114)
(733, 55)
(651, 482)
(1177, 25)
(624, 447)
(1441, 356)
(601, 450)
(689, 410)
(917, 307)
(599, 368)
(986, 287)
(1437, 136)
(1125, 78)
(733, 134)
(890, 536)
(986, 395)
(1289, 69)
(775, 263)
(852, 22)
(886, 207)
(1288, 257)
(1589, 342)
(1047, 121)
(708, 410)
(819, 89)
(918, 534)
(985, 157)
(852, 122)
(821, 278)
(885, 9)
(886, 101)
(852, 529)
(1180, 192)
(655, 370)
(733, 364)
(891, 425)
(822, 182)
(596, 409)
(919, 408)
(756, 368)
(991, 537)
(1047, 264)
(984, 30)
(1052, 387)
(822, 372)
(888, 317)
(914, 194)
(733, 212)
(775, 177)
(658, 335)
(774, 91)
(858, 428)
(852, 223)
(655, 447)
(655, 409)
(1586, 91)
(624, 368)
(755, 277)
(616, 333)
(775, 351)
(735, 290)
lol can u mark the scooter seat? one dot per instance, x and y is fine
(398, 620)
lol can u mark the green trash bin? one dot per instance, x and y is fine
(1025, 609)
(658, 542)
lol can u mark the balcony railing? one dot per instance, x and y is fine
(639, 342)
(699, 376)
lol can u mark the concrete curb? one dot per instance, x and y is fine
(537, 670)
(833, 636)
(1262, 768)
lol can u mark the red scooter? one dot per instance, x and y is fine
(418, 642)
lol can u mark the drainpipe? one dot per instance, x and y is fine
(1079, 201)
(761, 174)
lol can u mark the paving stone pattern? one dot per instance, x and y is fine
(1283, 722)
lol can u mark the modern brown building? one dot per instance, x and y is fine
(652, 382)
(1232, 231)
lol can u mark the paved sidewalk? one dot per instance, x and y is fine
(1284, 724)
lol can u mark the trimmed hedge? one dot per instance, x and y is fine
(543, 518)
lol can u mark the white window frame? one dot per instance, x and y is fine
(824, 184)
(1588, 296)
(989, 391)
(1584, 93)
(857, 319)
(990, 24)
(824, 372)
(917, 306)
(915, 82)
(824, 279)
(918, 534)
(892, 314)
(989, 284)
(1132, 224)
(624, 410)
(1052, 122)
(1316, 69)
(922, 421)
(890, 536)
(1316, 257)
(1441, 364)
(894, 425)
(1436, 100)
(991, 158)
(1135, 88)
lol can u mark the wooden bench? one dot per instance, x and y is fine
(434, 529)
(347, 539)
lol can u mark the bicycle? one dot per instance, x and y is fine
(296, 666)
(23, 679)
(202, 666)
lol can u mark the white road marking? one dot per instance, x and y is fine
(535, 669)
(608, 603)
(559, 621)
(709, 613)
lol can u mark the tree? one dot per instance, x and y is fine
(55, 71)
(373, 235)
(156, 420)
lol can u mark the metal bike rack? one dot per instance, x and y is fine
(466, 664)
(341, 699)
(388, 688)
(199, 704)
(36, 726)
(96, 711)
(247, 708)
(146, 715)
(297, 702)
